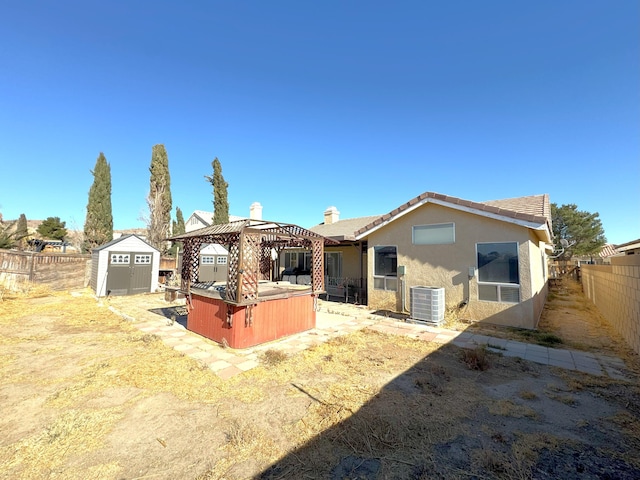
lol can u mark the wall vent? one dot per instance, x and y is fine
(427, 304)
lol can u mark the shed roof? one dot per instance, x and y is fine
(120, 239)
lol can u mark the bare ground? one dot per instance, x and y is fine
(86, 395)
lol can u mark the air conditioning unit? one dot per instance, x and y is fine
(427, 304)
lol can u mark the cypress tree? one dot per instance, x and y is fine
(98, 224)
(220, 202)
(159, 199)
(178, 227)
(22, 231)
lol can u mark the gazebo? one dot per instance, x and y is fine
(215, 307)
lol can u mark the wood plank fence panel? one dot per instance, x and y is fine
(56, 270)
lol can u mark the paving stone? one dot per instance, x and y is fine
(536, 358)
(181, 347)
(568, 365)
(219, 365)
(560, 355)
(200, 355)
(228, 372)
(516, 347)
(248, 365)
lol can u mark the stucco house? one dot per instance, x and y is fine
(490, 257)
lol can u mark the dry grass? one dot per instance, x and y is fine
(507, 408)
(366, 395)
(527, 395)
(476, 359)
(273, 357)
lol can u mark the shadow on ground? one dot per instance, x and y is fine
(177, 314)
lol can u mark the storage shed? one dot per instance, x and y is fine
(124, 266)
(213, 263)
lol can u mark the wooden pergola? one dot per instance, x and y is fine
(250, 244)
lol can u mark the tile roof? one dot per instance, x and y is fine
(537, 205)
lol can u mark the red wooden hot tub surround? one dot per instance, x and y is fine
(272, 319)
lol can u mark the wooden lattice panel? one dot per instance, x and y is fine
(250, 266)
(317, 262)
(190, 262)
(265, 262)
(232, 273)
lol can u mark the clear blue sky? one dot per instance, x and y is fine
(358, 104)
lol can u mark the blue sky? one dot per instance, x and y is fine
(361, 105)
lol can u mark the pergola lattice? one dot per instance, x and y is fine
(250, 244)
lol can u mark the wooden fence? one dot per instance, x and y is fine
(59, 271)
(564, 269)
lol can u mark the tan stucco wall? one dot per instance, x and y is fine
(615, 290)
(448, 265)
(350, 260)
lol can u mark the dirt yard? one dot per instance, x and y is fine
(85, 395)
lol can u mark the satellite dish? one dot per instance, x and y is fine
(564, 242)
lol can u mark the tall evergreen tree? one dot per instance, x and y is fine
(22, 231)
(220, 202)
(178, 228)
(52, 228)
(582, 230)
(159, 199)
(98, 225)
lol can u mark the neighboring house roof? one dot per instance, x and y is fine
(529, 212)
(343, 230)
(608, 250)
(120, 239)
(207, 217)
(632, 245)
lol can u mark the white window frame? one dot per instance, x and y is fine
(142, 259)
(120, 259)
(207, 259)
(433, 226)
(221, 260)
(389, 282)
(499, 285)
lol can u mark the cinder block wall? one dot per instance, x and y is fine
(615, 290)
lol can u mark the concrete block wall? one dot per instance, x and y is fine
(615, 290)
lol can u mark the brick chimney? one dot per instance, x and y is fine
(331, 215)
(255, 211)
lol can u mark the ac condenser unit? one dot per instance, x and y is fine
(427, 304)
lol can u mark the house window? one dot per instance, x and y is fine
(498, 274)
(385, 268)
(299, 260)
(206, 259)
(142, 259)
(333, 264)
(221, 261)
(119, 259)
(435, 234)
